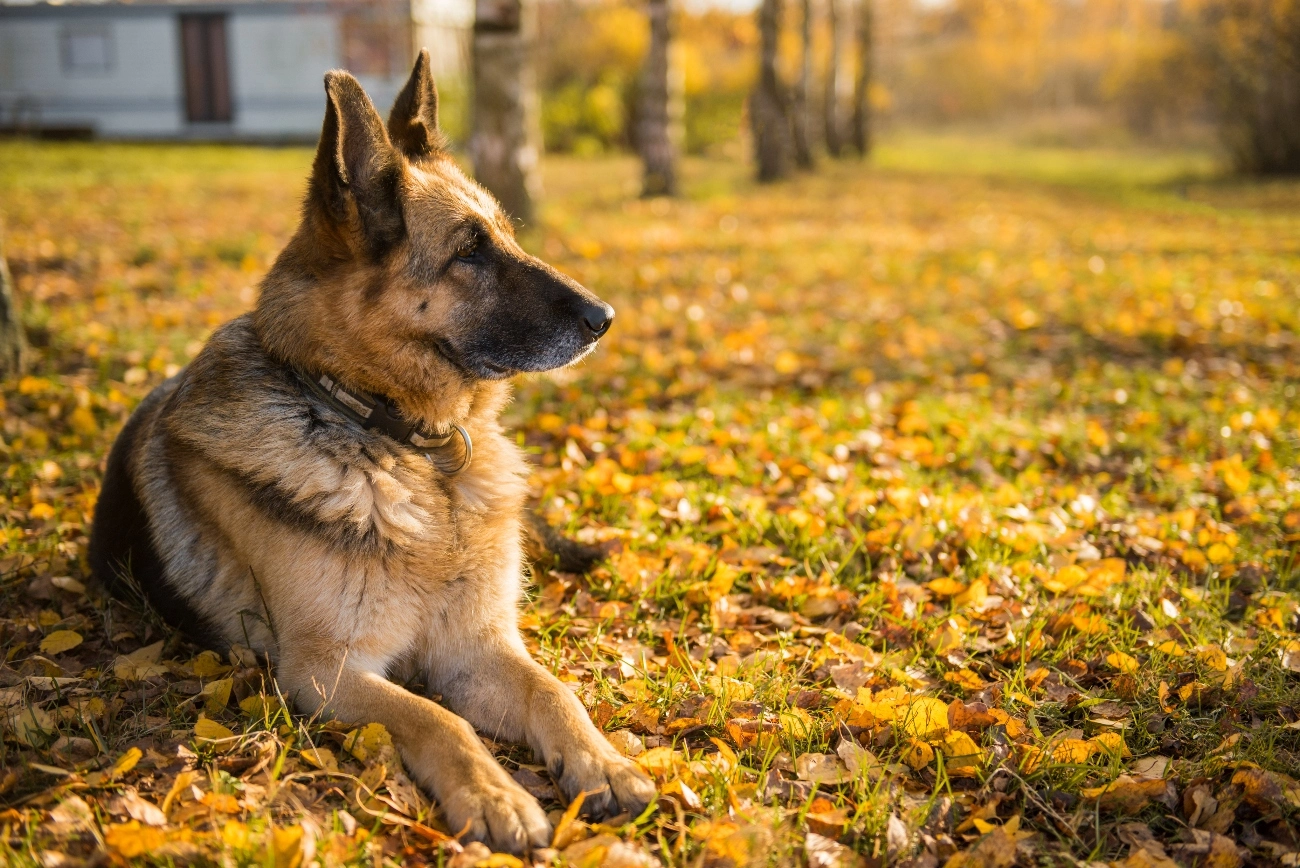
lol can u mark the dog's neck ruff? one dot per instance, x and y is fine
(375, 413)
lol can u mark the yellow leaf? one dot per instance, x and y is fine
(945, 587)
(1109, 743)
(925, 718)
(658, 761)
(208, 730)
(500, 860)
(125, 763)
(1213, 657)
(796, 722)
(1172, 648)
(1125, 794)
(41, 512)
(208, 665)
(1123, 662)
(946, 637)
(82, 421)
(60, 641)
(965, 679)
(133, 840)
(216, 694)
(1071, 750)
(286, 846)
(1218, 553)
(140, 664)
(368, 742)
(1066, 578)
(568, 829)
(961, 751)
(321, 758)
(918, 755)
(786, 362)
(182, 782)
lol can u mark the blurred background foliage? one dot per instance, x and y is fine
(1166, 72)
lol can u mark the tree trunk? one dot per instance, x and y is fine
(12, 345)
(506, 137)
(769, 111)
(658, 112)
(862, 89)
(802, 121)
(835, 84)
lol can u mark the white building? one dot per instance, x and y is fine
(246, 70)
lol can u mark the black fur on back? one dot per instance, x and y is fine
(121, 543)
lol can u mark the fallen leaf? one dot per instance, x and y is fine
(321, 758)
(60, 641)
(1126, 794)
(822, 768)
(823, 852)
(924, 718)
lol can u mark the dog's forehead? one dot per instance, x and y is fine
(446, 192)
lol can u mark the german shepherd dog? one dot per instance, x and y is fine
(328, 482)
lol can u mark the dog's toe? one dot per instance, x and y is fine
(613, 784)
(500, 814)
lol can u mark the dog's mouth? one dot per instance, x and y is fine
(478, 368)
(477, 365)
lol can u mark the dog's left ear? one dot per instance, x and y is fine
(413, 122)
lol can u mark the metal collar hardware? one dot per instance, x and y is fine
(378, 414)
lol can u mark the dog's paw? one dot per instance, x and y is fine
(613, 783)
(497, 811)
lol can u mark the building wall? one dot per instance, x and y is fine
(136, 93)
(278, 54)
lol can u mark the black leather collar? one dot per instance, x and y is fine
(374, 413)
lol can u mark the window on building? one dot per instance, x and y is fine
(87, 49)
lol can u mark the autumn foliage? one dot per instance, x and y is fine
(951, 511)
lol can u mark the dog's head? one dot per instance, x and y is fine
(405, 277)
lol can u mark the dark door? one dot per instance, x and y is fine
(206, 67)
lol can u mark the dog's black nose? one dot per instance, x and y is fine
(597, 317)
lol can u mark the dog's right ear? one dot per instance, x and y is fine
(413, 122)
(356, 166)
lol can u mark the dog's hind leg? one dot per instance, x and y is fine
(441, 750)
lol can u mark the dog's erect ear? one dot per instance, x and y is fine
(413, 122)
(356, 163)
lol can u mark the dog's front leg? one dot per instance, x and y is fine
(506, 694)
(440, 749)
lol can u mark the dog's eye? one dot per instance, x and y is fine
(467, 249)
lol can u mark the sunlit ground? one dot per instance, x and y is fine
(951, 503)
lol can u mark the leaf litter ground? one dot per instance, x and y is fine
(951, 510)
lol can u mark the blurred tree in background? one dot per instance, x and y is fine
(1252, 51)
(1063, 72)
(504, 139)
(769, 106)
(659, 109)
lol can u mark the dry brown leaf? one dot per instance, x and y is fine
(823, 852)
(1126, 795)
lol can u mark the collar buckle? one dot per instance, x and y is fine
(373, 413)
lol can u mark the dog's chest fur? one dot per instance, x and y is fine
(270, 500)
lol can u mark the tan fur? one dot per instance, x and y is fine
(345, 555)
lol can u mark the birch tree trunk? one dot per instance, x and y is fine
(12, 345)
(506, 138)
(769, 111)
(836, 81)
(802, 121)
(658, 113)
(862, 88)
